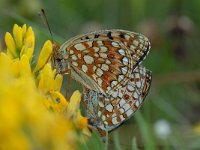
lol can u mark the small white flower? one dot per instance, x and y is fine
(162, 129)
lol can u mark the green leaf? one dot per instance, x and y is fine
(94, 142)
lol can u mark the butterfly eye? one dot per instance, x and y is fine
(58, 60)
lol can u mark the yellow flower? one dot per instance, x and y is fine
(44, 55)
(73, 111)
(74, 103)
(22, 42)
(25, 94)
(48, 80)
(49, 84)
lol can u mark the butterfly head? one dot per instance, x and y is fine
(59, 61)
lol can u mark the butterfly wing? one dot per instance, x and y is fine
(103, 60)
(107, 113)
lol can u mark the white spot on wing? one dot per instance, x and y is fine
(135, 94)
(103, 117)
(94, 68)
(108, 62)
(122, 117)
(99, 43)
(137, 103)
(74, 57)
(96, 49)
(127, 37)
(108, 89)
(114, 83)
(135, 42)
(114, 120)
(120, 77)
(99, 80)
(96, 55)
(103, 55)
(103, 49)
(124, 70)
(105, 122)
(109, 108)
(125, 60)
(114, 94)
(120, 94)
(130, 87)
(99, 113)
(88, 59)
(105, 67)
(129, 112)
(79, 55)
(137, 75)
(79, 47)
(84, 68)
(89, 43)
(121, 110)
(114, 44)
(71, 52)
(94, 77)
(101, 104)
(132, 47)
(122, 102)
(99, 72)
(122, 52)
(138, 84)
(75, 63)
(126, 106)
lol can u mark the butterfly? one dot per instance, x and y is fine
(103, 60)
(107, 64)
(106, 113)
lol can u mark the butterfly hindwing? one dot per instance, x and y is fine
(110, 111)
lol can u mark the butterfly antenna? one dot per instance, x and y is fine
(42, 14)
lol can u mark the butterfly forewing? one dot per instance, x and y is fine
(103, 60)
(108, 112)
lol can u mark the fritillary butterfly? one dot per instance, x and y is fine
(101, 61)
(106, 63)
(106, 113)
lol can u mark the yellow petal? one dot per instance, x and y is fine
(58, 82)
(25, 68)
(82, 122)
(22, 51)
(17, 32)
(41, 84)
(44, 56)
(24, 30)
(15, 67)
(46, 78)
(74, 103)
(60, 103)
(29, 32)
(86, 131)
(4, 59)
(29, 43)
(10, 43)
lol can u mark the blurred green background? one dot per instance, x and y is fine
(169, 118)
